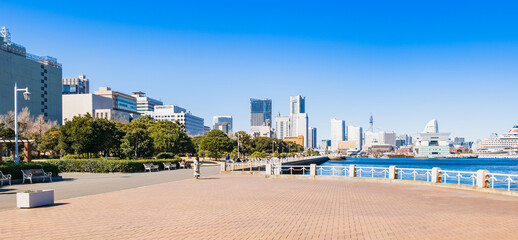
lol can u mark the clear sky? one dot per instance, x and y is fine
(407, 62)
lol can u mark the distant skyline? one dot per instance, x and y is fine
(406, 62)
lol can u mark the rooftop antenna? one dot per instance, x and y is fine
(6, 35)
(371, 122)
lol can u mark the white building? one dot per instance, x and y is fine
(355, 134)
(380, 138)
(299, 119)
(312, 138)
(194, 126)
(337, 133)
(431, 143)
(95, 105)
(79, 85)
(282, 127)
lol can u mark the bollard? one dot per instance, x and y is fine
(483, 178)
(393, 172)
(313, 169)
(223, 167)
(436, 175)
(268, 170)
(352, 170)
(278, 169)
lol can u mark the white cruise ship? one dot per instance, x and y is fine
(507, 144)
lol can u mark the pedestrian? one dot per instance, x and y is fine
(196, 167)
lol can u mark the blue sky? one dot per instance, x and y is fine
(407, 62)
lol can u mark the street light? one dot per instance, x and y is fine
(27, 97)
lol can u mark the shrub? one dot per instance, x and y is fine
(105, 165)
(15, 169)
(165, 155)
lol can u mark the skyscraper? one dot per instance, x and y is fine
(261, 117)
(337, 133)
(312, 138)
(355, 134)
(41, 75)
(299, 118)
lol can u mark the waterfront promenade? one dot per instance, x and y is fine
(229, 206)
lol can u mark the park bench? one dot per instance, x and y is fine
(184, 165)
(168, 165)
(35, 174)
(4, 178)
(150, 167)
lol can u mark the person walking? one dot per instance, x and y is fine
(196, 167)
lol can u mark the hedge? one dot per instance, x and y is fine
(15, 169)
(106, 165)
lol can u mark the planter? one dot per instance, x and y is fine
(34, 199)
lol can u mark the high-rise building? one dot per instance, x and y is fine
(145, 103)
(325, 144)
(261, 117)
(299, 119)
(355, 134)
(260, 112)
(312, 138)
(41, 75)
(223, 123)
(78, 85)
(194, 126)
(380, 138)
(282, 126)
(337, 133)
(297, 105)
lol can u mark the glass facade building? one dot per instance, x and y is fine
(260, 112)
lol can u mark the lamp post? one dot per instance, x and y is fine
(27, 97)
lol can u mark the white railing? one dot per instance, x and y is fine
(332, 170)
(372, 171)
(415, 172)
(297, 169)
(499, 177)
(257, 163)
(459, 175)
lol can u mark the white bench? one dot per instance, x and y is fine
(168, 165)
(35, 174)
(150, 167)
(4, 178)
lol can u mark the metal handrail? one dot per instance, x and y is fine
(509, 179)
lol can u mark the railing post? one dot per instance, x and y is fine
(393, 174)
(352, 170)
(223, 166)
(313, 169)
(436, 175)
(483, 178)
(278, 170)
(268, 169)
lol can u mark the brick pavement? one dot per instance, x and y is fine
(252, 207)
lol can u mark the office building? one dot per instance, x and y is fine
(355, 134)
(194, 126)
(260, 112)
(41, 75)
(431, 143)
(299, 119)
(282, 126)
(121, 102)
(145, 103)
(95, 105)
(223, 123)
(261, 117)
(337, 133)
(312, 138)
(78, 85)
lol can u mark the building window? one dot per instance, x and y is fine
(41, 80)
(42, 66)
(45, 71)
(45, 92)
(42, 110)
(41, 74)
(45, 114)
(45, 99)
(45, 78)
(41, 88)
(45, 85)
(42, 95)
(45, 107)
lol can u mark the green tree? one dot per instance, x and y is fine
(171, 137)
(137, 141)
(50, 141)
(79, 136)
(245, 143)
(108, 135)
(216, 143)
